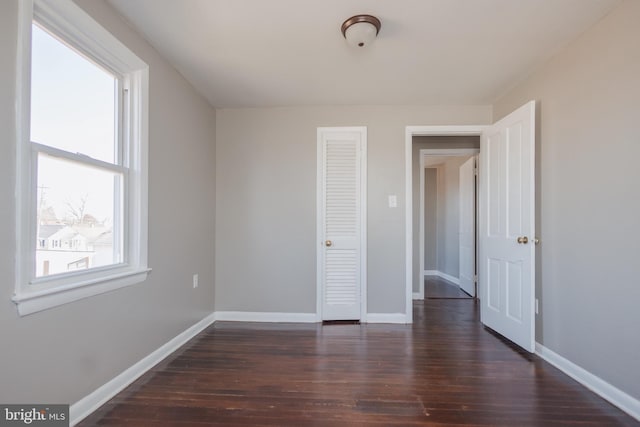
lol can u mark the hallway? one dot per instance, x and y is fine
(445, 369)
(438, 288)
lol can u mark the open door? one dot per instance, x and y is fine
(507, 226)
(467, 231)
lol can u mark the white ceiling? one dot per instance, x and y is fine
(245, 53)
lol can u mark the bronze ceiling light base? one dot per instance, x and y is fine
(362, 29)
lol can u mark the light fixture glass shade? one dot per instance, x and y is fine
(360, 34)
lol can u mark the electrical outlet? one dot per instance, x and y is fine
(537, 305)
(195, 281)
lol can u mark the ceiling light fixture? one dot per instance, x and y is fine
(360, 30)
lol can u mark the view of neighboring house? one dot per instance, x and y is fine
(62, 247)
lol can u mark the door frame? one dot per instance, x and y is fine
(410, 132)
(432, 152)
(320, 217)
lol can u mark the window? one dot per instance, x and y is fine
(82, 159)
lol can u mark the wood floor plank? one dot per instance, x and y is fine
(444, 370)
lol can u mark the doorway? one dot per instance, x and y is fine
(447, 241)
(506, 199)
(441, 146)
(438, 140)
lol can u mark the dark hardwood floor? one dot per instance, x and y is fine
(445, 369)
(436, 288)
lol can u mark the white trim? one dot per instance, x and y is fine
(387, 318)
(446, 130)
(449, 152)
(320, 216)
(417, 296)
(408, 217)
(319, 225)
(32, 302)
(420, 225)
(410, 132)
(78, 158)
(445, 276)
(23, 150)
(363, 225)
(85, 406)
(267, 317)
(612, 394)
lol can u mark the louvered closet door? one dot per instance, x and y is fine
(341, 223)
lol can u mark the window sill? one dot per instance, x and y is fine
(33, 302)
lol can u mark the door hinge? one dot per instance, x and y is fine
(475, 171)
(475, 278)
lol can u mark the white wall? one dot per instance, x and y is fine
(63, 354)
(449, 216)
(589, 198)
(266, 202)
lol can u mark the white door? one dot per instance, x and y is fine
(467, 230)
(507, 229)
(341, 222)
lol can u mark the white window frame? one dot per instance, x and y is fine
(76, 27)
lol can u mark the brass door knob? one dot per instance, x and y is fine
(523, 240)
(328, 243)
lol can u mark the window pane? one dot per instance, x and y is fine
(73, 101)
(79, 210)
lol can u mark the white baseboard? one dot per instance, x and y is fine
(85, 406)
(614, 395)
(249, 316)
(450, 278)
(418, 295)
(387, 318)
(443, 275)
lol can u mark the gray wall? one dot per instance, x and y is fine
(430, 142)
(431, 219)
(589, 198)
(266, 202)
(65, 353)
